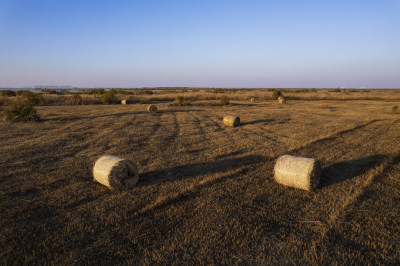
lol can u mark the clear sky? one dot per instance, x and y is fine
(200, 43)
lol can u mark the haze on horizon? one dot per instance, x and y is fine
(200, 43)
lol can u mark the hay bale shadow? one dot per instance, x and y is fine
(342, 171)
(75, 118)
(257, 122)
(179, 111)
(114, 115)
(230, 154)
(196, 169)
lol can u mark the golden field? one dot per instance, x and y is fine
(206, 192)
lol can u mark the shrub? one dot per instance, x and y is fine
(109, 97)
(125, 92)
(96, 91)
(276, 94)
(50, 91)
(145, 92)
(8, 93)
(395, 109)
(313, 90)
(336, 90)
(75, 99)
(224, 100)
(21, 110)
(19, 93)
(32, 98)
(4, 101)
(179, 100)
(218, 91)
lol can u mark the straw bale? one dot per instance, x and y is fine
(115, 172)
(152, 108)
(253, 100)
(125, 102)
(281, 99)
(297, 172)
(232, 121)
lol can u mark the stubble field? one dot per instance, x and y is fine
(206, 192)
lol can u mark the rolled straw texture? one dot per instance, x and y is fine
(115, 172)
(297, 172)
(152, 108)
(231, 121)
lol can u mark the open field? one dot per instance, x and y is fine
(206, 192)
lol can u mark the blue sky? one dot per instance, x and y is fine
(200, 43)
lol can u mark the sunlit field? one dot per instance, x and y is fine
(206, 192)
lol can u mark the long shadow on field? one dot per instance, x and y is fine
(242, 104)
(342, 171)
(74, 118)
(179, 111)
(197, 169)
(117, 114)
(257, 122)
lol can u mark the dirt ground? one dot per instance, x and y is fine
(206, 192)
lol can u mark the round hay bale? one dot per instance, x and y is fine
(281, 99)
(297, 172)
(152, 108)
(231, 121)
(125, 102)
(115, 172)
(253, 100)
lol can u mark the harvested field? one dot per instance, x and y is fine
(206, 192)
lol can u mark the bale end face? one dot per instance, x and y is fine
(232, 121)
(152, 108)
(297, 172)
(115, 172)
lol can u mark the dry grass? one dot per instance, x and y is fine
(206, 192)
(208, 97)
